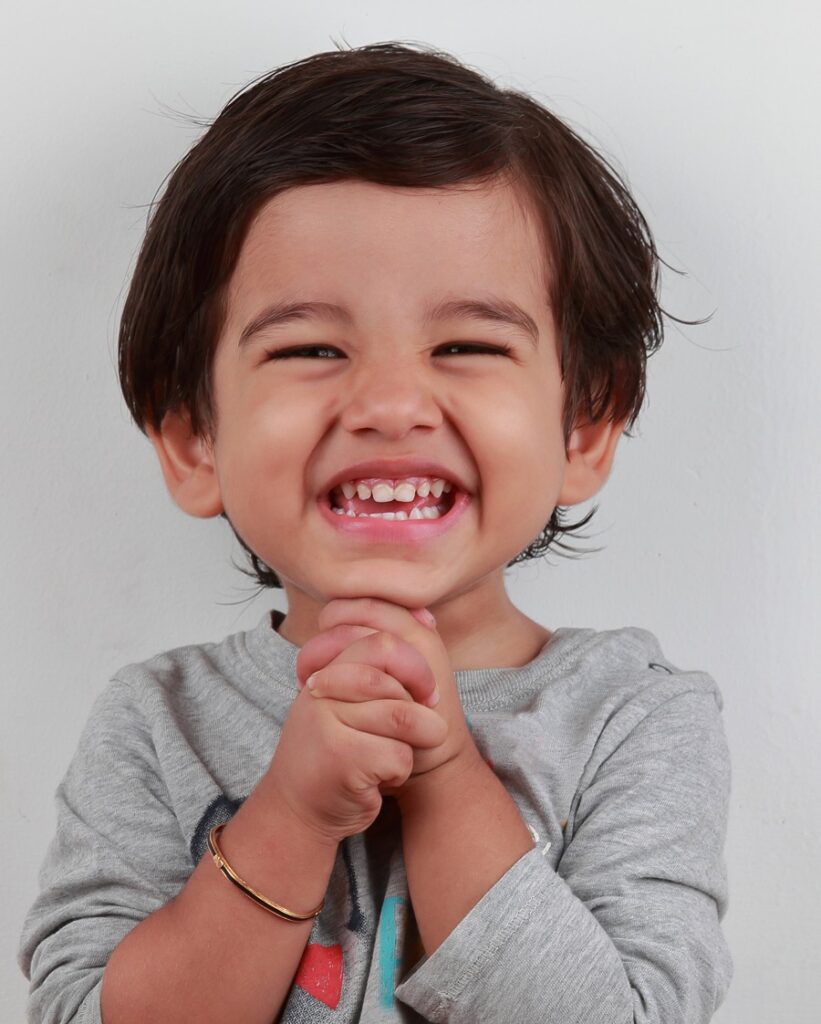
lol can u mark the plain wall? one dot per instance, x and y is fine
(709, 522)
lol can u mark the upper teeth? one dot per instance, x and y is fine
(405, 490)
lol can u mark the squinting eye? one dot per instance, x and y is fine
(493, 350)
(287, 353)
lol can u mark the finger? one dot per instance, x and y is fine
(374, 612)
(355, 682)
(385, 762)
(321, 649)
(384, 651)
(398, 720)
(425, 616)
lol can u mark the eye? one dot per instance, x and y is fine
(493, 350)
(288, 353)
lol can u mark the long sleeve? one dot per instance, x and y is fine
(618, 921)
(117, 856)
(627, 927)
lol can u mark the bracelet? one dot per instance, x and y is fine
(258, 898)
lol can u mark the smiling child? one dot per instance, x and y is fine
(390, 320)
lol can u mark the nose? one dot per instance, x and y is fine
(391, 396)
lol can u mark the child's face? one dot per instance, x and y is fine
(385, 385)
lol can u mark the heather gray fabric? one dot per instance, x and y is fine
(616, 759)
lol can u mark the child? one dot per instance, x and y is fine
(468, 818)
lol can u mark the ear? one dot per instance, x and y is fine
(187, 463)
(590, 454)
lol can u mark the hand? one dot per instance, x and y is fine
(371, 649)
(336, 755)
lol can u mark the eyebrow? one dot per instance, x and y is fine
(491, 308)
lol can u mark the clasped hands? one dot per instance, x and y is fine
(370, 649)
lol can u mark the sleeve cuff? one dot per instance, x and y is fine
(90, 1011)
(437, 982)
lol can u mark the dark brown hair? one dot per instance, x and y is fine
(400, 115)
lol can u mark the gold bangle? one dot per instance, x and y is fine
(258, 898)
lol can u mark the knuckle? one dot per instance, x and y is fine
(352, 776)
(404, 757)
(372, 679)
(386, 643)
(402, 718)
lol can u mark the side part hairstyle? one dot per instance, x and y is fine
(399, 115)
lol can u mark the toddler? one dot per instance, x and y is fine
(404, 799)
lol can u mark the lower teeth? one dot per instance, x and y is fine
(435, 512)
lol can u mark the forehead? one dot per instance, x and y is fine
(355, 238)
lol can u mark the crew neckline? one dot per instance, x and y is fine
(275, 657)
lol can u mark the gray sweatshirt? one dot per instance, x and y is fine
(616, 759)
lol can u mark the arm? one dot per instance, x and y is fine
(121, 862)
(121, 917)
(625, 930)
(461, 832)
(211, 954)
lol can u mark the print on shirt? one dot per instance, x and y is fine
(218, 812)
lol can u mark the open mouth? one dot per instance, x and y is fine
(418, 510)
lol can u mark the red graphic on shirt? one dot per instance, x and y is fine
(320, 973)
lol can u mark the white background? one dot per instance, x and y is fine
(709, 523)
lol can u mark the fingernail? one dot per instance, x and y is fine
(310, 681)
(434, 699)
(431, 621)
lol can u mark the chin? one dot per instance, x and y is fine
(407, 596)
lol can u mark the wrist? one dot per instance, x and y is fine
(271, 806)
(457, 775)
(271, 850)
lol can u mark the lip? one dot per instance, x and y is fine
(395, 469)
(401, 531)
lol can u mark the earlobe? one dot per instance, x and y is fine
(187, 464)
(590, 455)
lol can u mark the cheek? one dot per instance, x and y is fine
(522, 452)
(261, 461)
